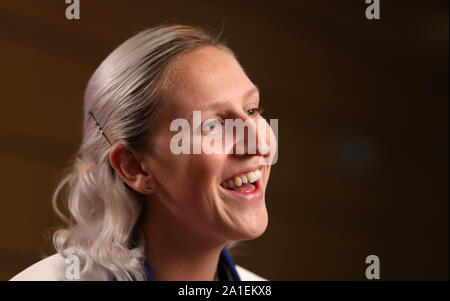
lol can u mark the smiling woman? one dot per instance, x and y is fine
(137, 211)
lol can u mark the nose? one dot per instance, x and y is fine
(253, 138)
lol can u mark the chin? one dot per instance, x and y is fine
(252, 225)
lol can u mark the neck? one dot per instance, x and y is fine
(173, 253)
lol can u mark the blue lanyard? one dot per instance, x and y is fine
(224, 257)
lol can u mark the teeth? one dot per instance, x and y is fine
(230, 183)
(237, 181)
(251, 177)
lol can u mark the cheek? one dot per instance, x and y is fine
(172, 172)
(186, 174)
(206, 168)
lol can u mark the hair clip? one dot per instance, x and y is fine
(100, 128)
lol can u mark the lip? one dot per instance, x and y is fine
(243, 171)
(255, 195)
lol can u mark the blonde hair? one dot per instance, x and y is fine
(124, 95)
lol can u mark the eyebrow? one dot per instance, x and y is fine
(246, 95)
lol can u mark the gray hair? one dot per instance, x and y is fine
(124, 95)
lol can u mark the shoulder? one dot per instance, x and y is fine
(52, 269)
(246, 275)
(48, 269)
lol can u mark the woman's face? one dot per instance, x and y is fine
(193, 190)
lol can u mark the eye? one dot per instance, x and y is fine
(255, 111)
(210, 125)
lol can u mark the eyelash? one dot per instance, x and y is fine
(257, 111)
(207, 125)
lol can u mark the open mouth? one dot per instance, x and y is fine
(244, 183)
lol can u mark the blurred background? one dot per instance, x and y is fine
(363, 111)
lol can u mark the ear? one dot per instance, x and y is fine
(128, 167)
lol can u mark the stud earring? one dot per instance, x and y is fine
(148, 189)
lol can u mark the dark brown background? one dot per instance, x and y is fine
(363, 125)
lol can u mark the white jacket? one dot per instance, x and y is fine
(53, 268)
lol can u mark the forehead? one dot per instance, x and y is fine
(202, 76)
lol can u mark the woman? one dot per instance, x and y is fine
(138, 211)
